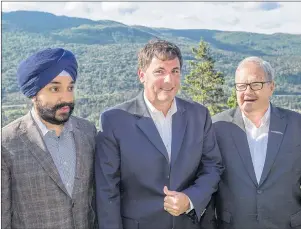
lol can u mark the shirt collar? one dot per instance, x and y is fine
(42, 126)
(264, 120)
(173, 109)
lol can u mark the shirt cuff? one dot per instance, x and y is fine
(191, 206)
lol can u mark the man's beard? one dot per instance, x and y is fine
(48, 114)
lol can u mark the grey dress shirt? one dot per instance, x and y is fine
(62, 150)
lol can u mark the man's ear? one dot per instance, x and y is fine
(273, 86)
(141, 76)
(34, 99)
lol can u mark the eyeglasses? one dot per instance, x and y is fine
(255, 86)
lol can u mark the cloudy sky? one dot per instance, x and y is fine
(259, 17)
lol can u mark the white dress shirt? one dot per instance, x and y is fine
(258, 140)
(163, 124)
(164, 127)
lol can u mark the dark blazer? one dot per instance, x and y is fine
(32, 192)
(274, 203)
(132, 166)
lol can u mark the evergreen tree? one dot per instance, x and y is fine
(204, 84)
(232, 100)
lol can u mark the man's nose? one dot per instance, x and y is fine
(249, 90)
(167, 78)
(67, 96)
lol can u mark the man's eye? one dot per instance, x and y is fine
(177, 71)
(159, 72)
(256, 84)
(71, 88)
(54, 89)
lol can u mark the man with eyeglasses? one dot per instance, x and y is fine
(261, 150)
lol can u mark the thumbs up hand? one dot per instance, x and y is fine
(176, 203)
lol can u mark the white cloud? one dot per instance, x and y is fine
(261, 17)
(119, 6)
(33, 6)
(77, 9)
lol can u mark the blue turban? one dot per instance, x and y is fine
(41, 68)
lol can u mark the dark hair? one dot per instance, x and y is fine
(161, 49)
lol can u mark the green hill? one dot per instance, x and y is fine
(107, 55)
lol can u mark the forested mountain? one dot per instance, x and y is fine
(107, 55)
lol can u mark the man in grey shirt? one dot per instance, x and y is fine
(61, 148)
(47, 155)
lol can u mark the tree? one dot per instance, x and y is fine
(232, 100)
(204, 84)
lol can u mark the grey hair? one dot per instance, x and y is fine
(266, 66)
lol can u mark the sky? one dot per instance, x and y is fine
(258, 17)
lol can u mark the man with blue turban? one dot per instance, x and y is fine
(47, 155)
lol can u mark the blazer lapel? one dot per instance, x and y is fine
(179, 123)
(241, 142)
(79, 167)
(276, 132)
(147, 126)
(31, 136)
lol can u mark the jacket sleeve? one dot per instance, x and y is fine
(5, 192)
(209, 171)
(93, 204)
(107, 177)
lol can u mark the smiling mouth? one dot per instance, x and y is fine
(249, 100)
(166, 89)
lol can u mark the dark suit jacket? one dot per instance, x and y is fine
(132, 166)
(274, 203)
(32, 192)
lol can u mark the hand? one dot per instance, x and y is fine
(176, 203)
